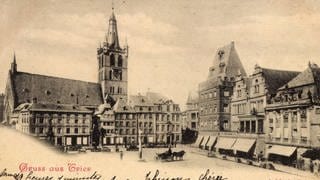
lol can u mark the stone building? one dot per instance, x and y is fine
(248, 102)
(191, 114)
(62, 125)
(215, 93)
(293, 117)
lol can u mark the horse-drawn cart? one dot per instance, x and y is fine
(168, 156)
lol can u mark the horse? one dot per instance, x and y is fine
(178, 155)
(164, 156)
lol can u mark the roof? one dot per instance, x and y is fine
(228, 58)
(274, 79)
(154, 97)
(139, 100)
(52, 107)
(53, 90)
(122, 106)
(309, 76)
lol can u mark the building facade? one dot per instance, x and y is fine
(293, 117)
(215, 93)
(62, 125)
(249, 99)
(191, 114)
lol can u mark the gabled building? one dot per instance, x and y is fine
(293, 117)
(215, 93)
(248, 102)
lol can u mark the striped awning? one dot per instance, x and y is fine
(243, 145)
(198, 141)
(225, 143)
(281, 150)
(205, 140)
(211, 141)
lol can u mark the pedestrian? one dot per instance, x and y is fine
(121, 155)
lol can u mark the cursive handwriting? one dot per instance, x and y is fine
(94, 176)
(156, 176)
(207, 176)
(16, 176)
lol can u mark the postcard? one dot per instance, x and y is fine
(159, 90)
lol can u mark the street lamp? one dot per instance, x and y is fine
(140, 144)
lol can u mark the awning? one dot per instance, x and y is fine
(211, 141)
(281, 150)
(205, 140)
(198, 141)
(225, 143)
(243, 145)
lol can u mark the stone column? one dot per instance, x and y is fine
(281, 126)
(290, 126)
(298, 126)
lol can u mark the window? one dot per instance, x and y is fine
(110, 74)
(83, 130)
(59, 130)
(76, 130)
(120, 61)
(68, 130)
(112, 60)
(226, 93)
(239, 93)
(214, 94)
(256, 89)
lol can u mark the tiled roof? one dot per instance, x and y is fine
(156, 98)
(309, 76)
(53, 90)
(52, 107)
(139, 100)
(274, 79)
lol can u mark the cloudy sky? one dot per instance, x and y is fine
(172, 43)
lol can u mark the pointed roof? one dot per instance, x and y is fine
(226, 57)
(309, 76)
(112, 36)
(14, 58)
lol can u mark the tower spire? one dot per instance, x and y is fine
(112, 36)
(14, 64)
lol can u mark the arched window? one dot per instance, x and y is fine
(112, 62)
(120, 61)
(102, 61)
(110, 74)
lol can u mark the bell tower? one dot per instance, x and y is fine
(113, 63)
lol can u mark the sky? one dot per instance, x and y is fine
(171, 43)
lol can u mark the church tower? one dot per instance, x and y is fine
(113, 64)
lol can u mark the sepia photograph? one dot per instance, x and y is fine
(159, 90)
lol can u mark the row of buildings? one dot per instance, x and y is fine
(270, 112)
(73, 113)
